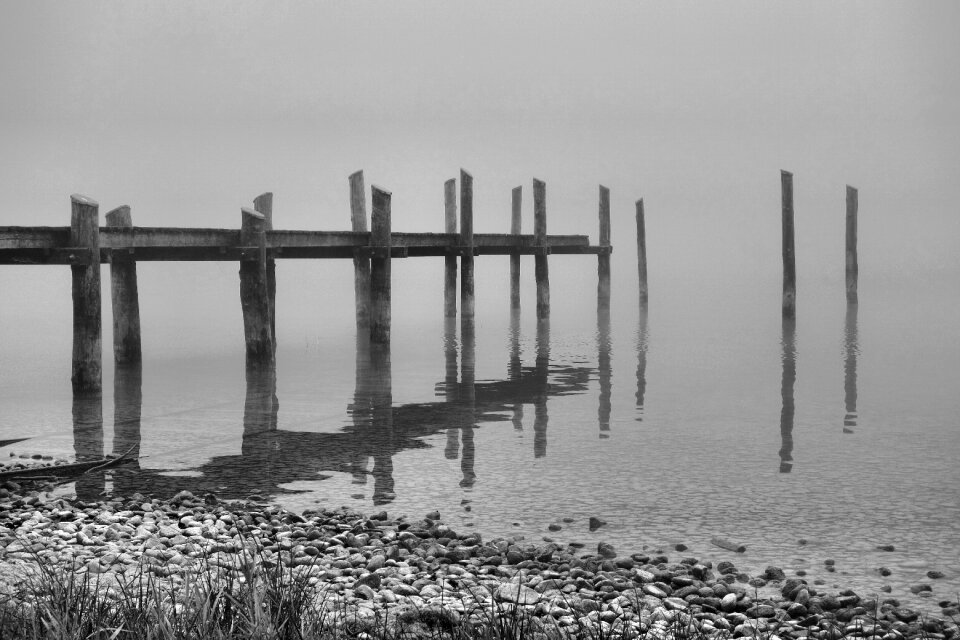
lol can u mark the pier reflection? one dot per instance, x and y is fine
(87, 413)
(642, 343)
(604, 370)
(851, 351)
(376, 429)
(787, 382)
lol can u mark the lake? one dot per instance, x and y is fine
(702, 415)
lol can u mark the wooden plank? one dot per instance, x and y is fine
(450, 260)
(361, 263)
(87, 369)
(123, 289)
(380, 286)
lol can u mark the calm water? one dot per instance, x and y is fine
(703, 416)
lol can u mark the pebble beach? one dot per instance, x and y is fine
(361, 566)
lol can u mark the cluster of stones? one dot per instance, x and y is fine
(417, 571)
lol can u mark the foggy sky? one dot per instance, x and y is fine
(186, 111)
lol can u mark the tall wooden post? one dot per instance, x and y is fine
(380, 268)
(642, 252)
(515, 257)
(263, 204)
(126, 304)
(789, 263)
(450, 260)
(467, 302)
(541, 271)
(603, 259)
(852, 267)
(254, 297)
(87, 331)
(361, 262)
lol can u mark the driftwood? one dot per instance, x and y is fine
(71, 469)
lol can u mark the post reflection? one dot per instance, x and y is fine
(127, 403)
(604, 371)
(642, 342)
(788, 379)
(88, 441)
(468, 400)
(852, 350)
(450, 386)
(515, 367)
(542, 386)
(381, 427)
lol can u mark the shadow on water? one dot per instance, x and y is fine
(851, 351)
(376, 430)
(643, 337)
(788, 342)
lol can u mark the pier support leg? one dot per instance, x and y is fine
(603, 259)
(516, 204)
(789, 264)
(467, 301)
(852, 267)
(126, 303)
(263, 204)
(254, 297)
(87, 370)
(541, 269)
(380, 268)
(450, 260)
(642, 252)
(361, 263)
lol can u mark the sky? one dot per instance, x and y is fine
(187, 110)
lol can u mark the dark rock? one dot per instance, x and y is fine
(606, 550)
(596, 523)
(680, 547)
(934, 575)
(773, 573)
(886, 547)
(726, 567)
(797, 610)
(920, 588)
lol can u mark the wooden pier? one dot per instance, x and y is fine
(256, 245)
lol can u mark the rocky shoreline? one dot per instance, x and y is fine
(361, 566)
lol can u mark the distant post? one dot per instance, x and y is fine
(603, 258)
(642, 252)
(852, 267)
(254, 298)
(516, 204)
(264, 204)
(361, 262)
(467, 301)
(87, 335)
(450, 260)
(541, 271)
(380, 268)
(789, 264)
(126, 304)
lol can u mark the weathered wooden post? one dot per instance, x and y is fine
(380, 237)
(451, 389)
(852, 267)
(123, 288)
(450, 260)
(541, 271)
(603, 258)
(516, 204)
(642, 252)
(467, 301)
(263, 204)
(254, 297)
(789, 264)
(87, 330)
(361, 261)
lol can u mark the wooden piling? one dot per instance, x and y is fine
(87, 370)
(789, 263)
(642, 252)
(852, 267)
(361, 262)
(263, 204)
(467, 301)
(380, 268)
(515, 257)
(123, 289)
(541, 271)
(254, 297)
(603, 258)
(450, 260)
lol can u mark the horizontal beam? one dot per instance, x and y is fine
(48, 245)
